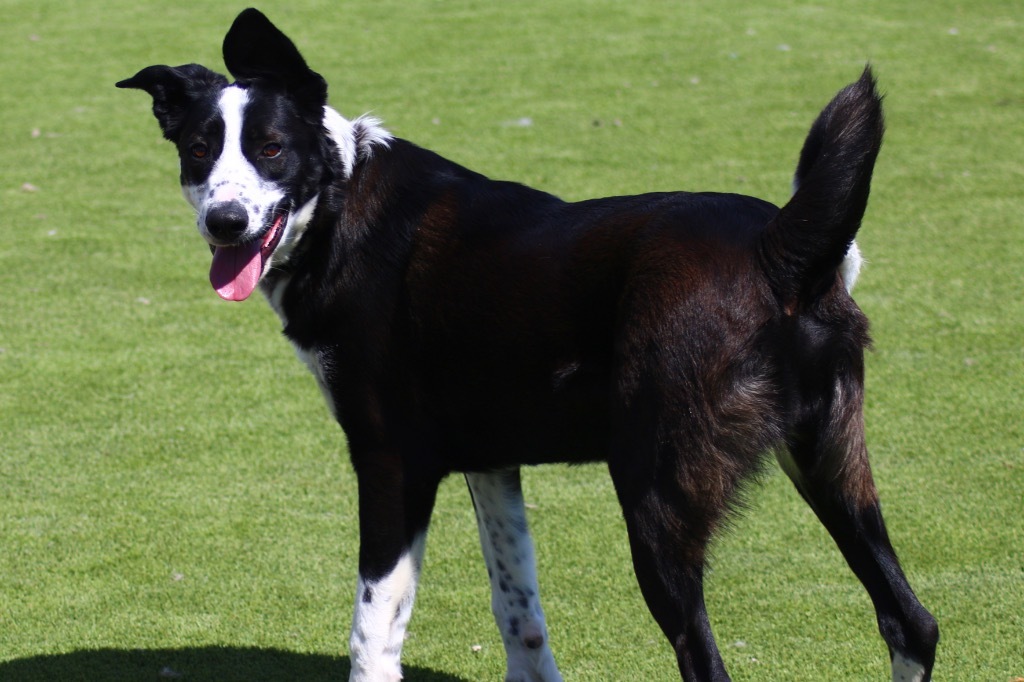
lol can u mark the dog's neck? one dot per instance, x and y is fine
(354, 140)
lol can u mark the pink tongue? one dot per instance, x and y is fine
(236, 270)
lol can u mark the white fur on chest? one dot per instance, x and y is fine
(352, 140)
(314, 361)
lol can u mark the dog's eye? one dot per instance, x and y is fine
(271, 151)
(199, 150)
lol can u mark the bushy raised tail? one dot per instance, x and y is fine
(803, 246)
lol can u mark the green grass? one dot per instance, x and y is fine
(174, 498)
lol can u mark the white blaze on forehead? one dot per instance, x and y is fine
(232, 165)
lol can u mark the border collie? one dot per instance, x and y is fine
(460, 324)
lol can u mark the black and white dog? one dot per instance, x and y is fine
(459, 324)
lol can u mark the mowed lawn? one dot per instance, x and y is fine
(175, 501)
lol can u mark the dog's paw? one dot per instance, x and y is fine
(535, 665)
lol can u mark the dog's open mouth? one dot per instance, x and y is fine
(236, 270)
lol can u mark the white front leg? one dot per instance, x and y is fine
(515, 596)
(383, 609)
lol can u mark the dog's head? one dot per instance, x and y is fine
(254, 153)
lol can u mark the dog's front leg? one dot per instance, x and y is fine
(393, 516)
(515, 597)
(382, 612)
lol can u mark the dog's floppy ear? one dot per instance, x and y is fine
(174, 89)
(255, 49)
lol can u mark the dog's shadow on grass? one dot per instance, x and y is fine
(215, 664)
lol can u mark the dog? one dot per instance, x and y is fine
(458, 324)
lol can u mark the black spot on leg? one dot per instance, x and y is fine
(513, 626)
(503, 586)
(368, 595)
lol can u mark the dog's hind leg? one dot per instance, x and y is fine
(675, 487)
(508, 553)
(670, 521)
(827, 461)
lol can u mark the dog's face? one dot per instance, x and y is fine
(251, 166)
(253, 153)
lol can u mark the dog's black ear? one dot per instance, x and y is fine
(255, 49)
(174, 89)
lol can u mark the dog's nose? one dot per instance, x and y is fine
(227, 221)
